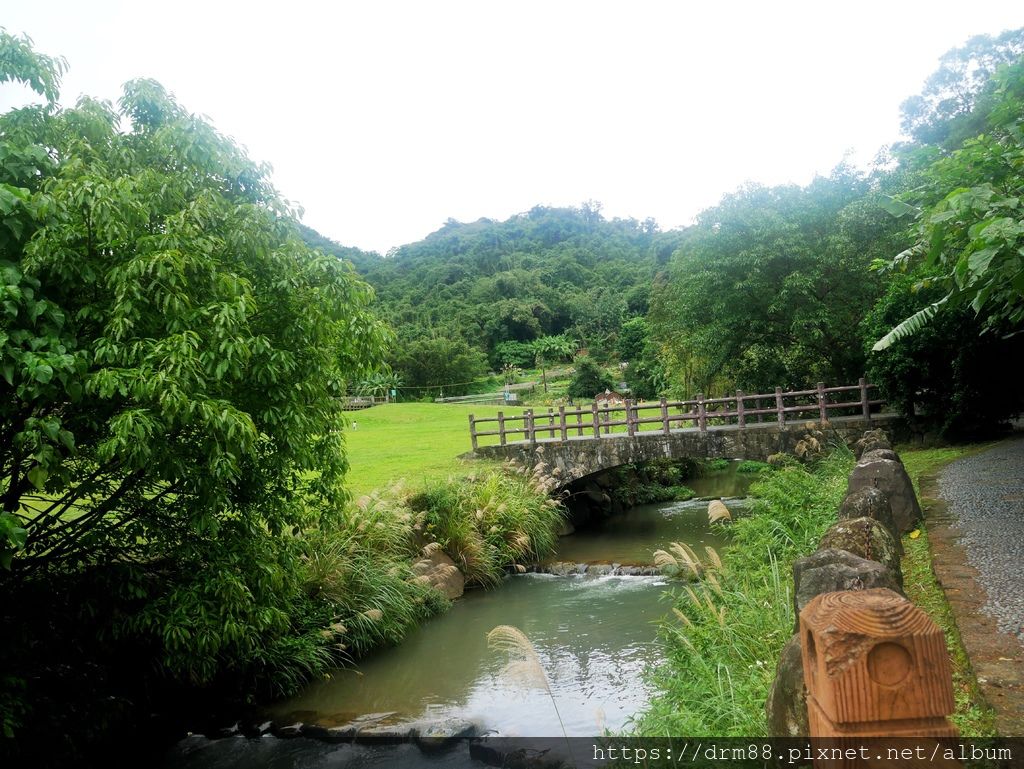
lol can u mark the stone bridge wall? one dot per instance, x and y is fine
(577, 458)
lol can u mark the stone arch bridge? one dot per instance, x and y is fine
(579, 442)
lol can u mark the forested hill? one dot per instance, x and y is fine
(544, 272)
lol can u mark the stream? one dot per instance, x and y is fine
(594, 636)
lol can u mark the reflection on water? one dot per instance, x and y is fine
(594, 636)
(632, 537)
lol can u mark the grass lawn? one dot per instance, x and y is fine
(414, 441)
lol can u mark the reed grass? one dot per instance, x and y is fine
(724, 634)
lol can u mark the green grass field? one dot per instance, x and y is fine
(414, 441)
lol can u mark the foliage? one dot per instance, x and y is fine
(752, 466)
(724, 637)
(493, 522)
(767, 288)
(589, 380)
(545, 272)
(949, 376)
(171, 354)
(512, 353)
(969, 234)
(438, 365)
(942, 112)
(360, 572)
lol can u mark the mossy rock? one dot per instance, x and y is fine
(869, 502)
(868, 539)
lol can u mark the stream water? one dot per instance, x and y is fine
(594, 637)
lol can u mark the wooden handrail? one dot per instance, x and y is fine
(699, 413)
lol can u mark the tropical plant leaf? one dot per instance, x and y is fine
(910, 326)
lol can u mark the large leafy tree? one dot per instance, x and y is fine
(767, 289)
(171, 353)
(969, 221)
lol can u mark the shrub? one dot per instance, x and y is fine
(589, 380)
(751, 466)
(493, 522)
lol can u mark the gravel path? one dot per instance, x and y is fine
(985, 493)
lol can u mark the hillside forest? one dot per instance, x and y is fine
(774, 286)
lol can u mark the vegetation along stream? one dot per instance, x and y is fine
(594, 637)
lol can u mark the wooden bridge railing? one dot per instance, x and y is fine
(664, 416)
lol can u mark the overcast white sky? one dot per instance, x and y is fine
(383, 119)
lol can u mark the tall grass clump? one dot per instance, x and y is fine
(489, 523)
(360, 575)
(724, 635)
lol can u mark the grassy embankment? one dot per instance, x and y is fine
(724, 637)
(972, 718)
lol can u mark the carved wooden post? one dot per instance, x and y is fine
(531, 428)
(664, 416)
(779, 407)
(501, 428)
(864, 403)
(472, 431)
(821, 402)
(741, 417)
(702, 414)
(597, 420)
(561, 423)
(875, 665)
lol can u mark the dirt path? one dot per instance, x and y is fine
(974, 511)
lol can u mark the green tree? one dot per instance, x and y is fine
(948, 378)
(767, 289)
(171, 354)
(550, 348)
(969, 231)
(588, 380)
(440, 364)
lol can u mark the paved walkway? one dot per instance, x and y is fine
(976, 530)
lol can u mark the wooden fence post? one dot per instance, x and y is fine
(501, 428)
(741, 417)
(875, 665)
(821, 402)
(630, 425)
(779, 407)
(551, 422)
(531, 428)
(472, 432)
(597, 420)
(702, 414)
(561, 423)
(606, 418)
(865, 405)
(579, 422)
(664, 417)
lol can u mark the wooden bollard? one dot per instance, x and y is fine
(875, 665)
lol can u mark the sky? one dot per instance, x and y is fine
(385, 119)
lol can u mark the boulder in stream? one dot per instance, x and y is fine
(440, 571)
(440, 734)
